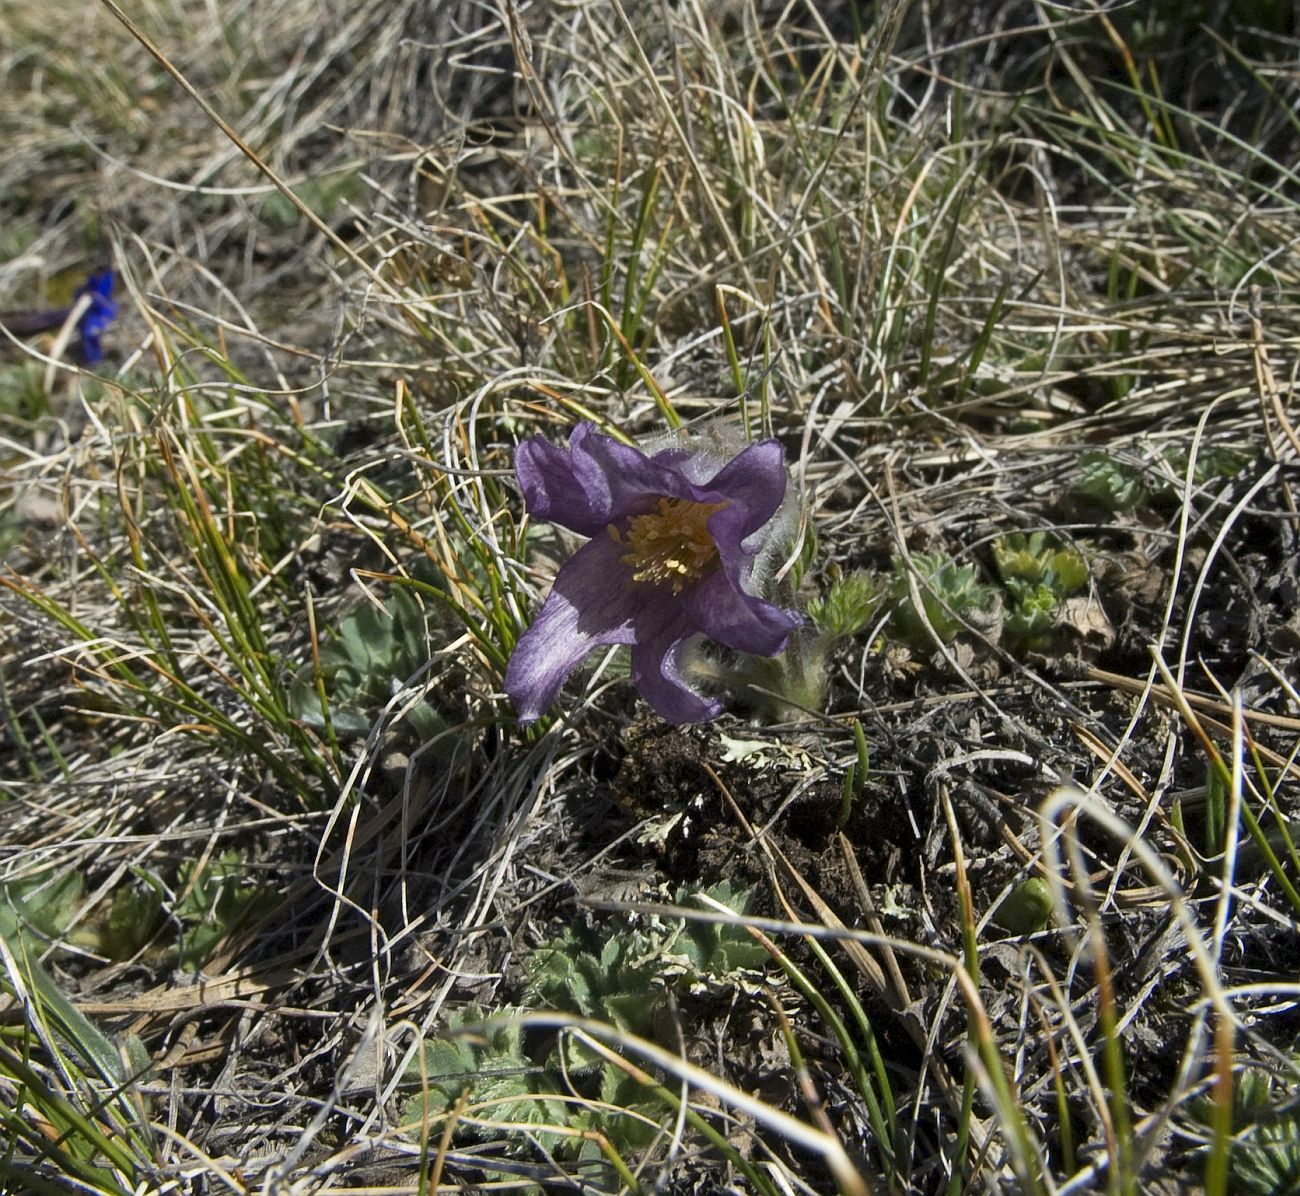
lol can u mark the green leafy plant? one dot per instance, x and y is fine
(1120, 486)
(135, 916)
(375, 649)
(624, 979)
(212, 901)
(950, 595)
(1267, 1161)
(1213, 463)
(44, 909)
(1031, 617)
(1264, 1151)
(621, 976)
(849, 606)
(716, 950)
(1036, 558)
(42, 906)
(1038, 576)
(215, 902)
(1107, 482)
(492, 1065)
(614, 980)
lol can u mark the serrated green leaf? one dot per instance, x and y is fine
(849, 607)
(950, 594)
(503, 1083)
(1109, 483)
(1020, 557)
(633, 1129)
(714, 948)
(611, 954)
(1031, 614)
(1264, 1153)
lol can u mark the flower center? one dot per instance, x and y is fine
(671, 545)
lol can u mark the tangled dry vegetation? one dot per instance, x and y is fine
(990, 883)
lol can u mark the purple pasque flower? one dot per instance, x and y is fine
(675, 538)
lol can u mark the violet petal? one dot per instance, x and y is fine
(754, 485)
(657, 673)
(593, 482)
(101, 312)
(722, 610)
(587, 607)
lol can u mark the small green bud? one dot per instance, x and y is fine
(1026, 908)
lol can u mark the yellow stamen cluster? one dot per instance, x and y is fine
(670, 546)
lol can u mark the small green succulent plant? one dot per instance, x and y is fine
(1038, 575)
(951, 596)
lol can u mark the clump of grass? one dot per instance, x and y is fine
(70, 1112)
